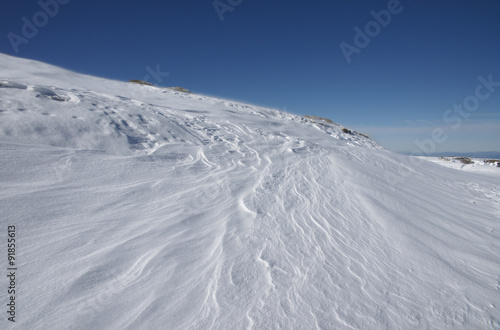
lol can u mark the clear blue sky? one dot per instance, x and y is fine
(287, 55)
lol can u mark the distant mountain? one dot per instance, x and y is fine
(477, 154)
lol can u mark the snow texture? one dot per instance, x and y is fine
(139, 207)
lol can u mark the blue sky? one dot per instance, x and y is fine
(401, 87)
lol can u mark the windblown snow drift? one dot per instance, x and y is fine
(138, 207)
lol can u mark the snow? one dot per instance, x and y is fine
(478, 165)
(138, 207)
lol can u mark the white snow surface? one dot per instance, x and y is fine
(139, 207)
(478, 165)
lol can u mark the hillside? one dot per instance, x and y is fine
(137, 207)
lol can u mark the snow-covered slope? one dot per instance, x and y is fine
(476, 165)
(138, 207)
